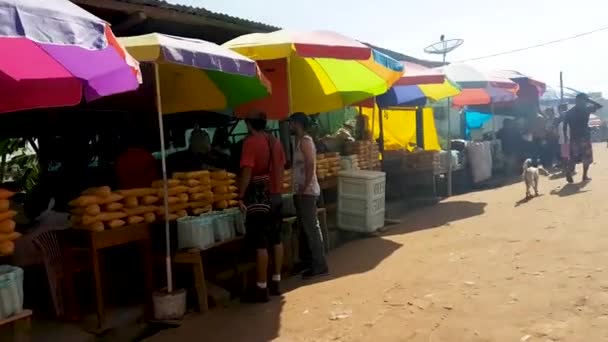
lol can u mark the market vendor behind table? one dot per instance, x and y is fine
(199, 156)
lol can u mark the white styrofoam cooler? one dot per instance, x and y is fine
(361, 200)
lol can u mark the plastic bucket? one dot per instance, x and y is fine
(169, 306)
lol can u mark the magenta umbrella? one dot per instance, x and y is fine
(54, 54)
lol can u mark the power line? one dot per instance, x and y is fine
(537, 45)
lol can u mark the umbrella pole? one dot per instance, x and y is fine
(381, 135)
(165, 187)
(289, 93)
(449, 145)
(373, 120)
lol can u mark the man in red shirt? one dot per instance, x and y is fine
(135, 167)
(262, 163)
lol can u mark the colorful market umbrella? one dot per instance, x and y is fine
(520, 79)
(552, 96)
(415, 88)
(526, 104)
(194, 75)
(594, 121)
(479, 88)
(315, 71)
(54, 52)
(201, 75)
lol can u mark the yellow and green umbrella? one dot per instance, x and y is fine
(315, 71)
(196, 75)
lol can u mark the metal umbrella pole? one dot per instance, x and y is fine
(381, 134)
(449, 137)
(165, 186)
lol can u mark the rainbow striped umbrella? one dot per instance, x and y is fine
(315, 71)
(54, 53)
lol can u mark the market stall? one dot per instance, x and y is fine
(314, 72)
(406, 129)
(485, 89)
(44, 64)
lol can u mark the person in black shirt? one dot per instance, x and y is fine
(577, 121)
(199, 155)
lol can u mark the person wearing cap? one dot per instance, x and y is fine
(262, 162)
(577, 122)
(198, 156)
(307, 191)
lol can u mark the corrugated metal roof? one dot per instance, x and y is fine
(199, 11)
(405, 58)
(203, 12)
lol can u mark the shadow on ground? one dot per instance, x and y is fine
(262, 321)
(436, 216)
(570, 189)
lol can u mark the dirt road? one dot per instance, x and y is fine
(477, 267)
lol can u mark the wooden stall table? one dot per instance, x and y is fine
(20, 325)
(96, 242)
(194, 258)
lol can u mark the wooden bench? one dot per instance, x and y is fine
(20, 325)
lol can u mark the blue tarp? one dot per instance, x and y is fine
(475, 120)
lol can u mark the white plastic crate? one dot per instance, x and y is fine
(195, 232)
(361, 200)
(11, 291)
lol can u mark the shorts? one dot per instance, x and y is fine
(565, 151)
(262, 230)
(581, 151)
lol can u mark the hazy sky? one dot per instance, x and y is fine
(487, 27)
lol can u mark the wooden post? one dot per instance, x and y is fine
(381, 134)
(420, 127)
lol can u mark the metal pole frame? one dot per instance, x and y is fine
(449, 143)
(381, 134)
(163, 153)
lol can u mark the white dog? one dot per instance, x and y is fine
(530, 177)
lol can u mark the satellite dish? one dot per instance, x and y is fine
(443, 47)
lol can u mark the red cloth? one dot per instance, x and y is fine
(255, 155)
(135, 168)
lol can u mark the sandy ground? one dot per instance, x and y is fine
(477, 267)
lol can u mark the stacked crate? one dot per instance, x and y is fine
(368, 155)
(8, 235)
(224, 189)
(421, 161)
(328, 165)
(200, 196)
(287, 181)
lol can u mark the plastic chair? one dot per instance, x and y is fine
(48, 245)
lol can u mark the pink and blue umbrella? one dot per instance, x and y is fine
(479, 88)
(54, 54)
(415, 88)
